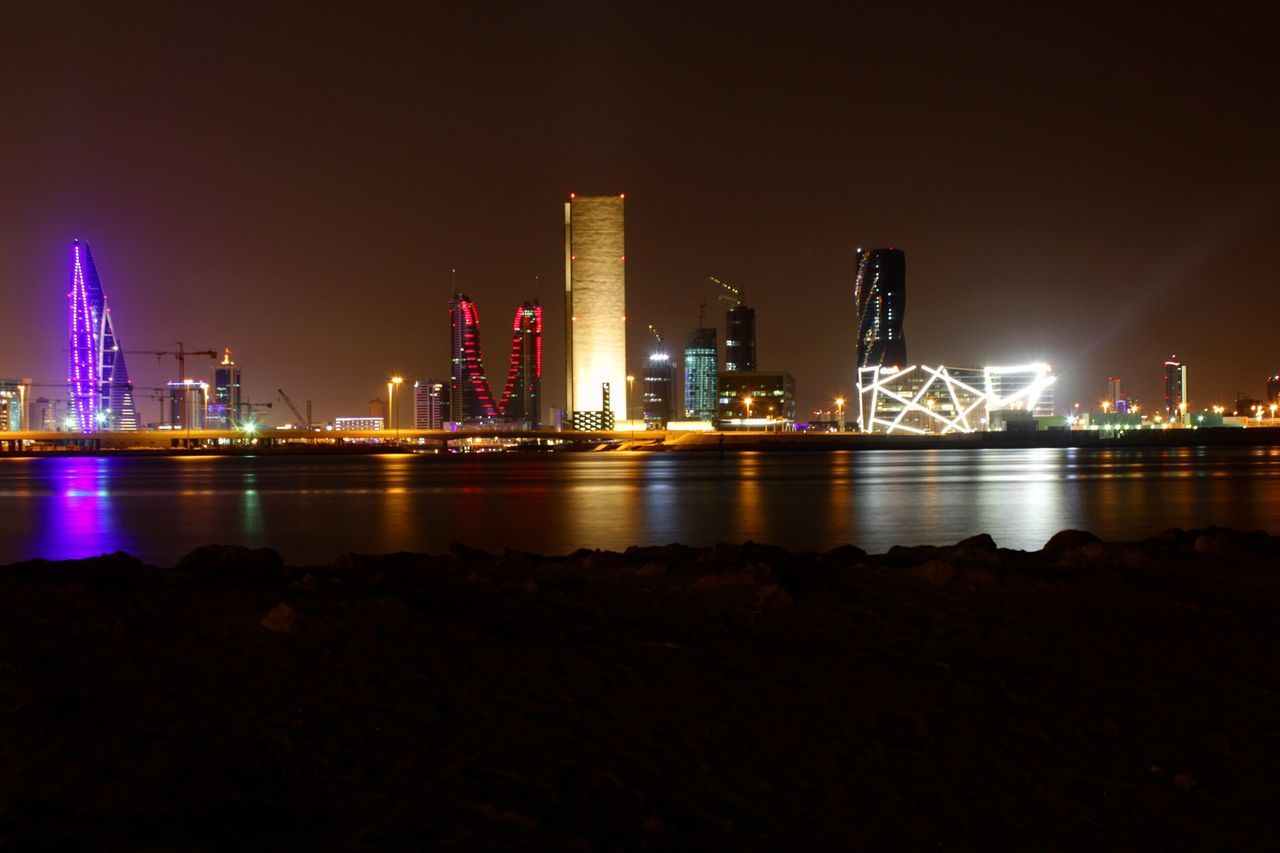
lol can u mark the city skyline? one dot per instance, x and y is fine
(1044, 219)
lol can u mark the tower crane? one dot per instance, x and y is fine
(181, 354)
(301, 421)
(736, 298)
(655, 333)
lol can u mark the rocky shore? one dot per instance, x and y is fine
(1088, 694)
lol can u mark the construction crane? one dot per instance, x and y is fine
(656, 333)
(301, 421)
(180, 353)
(736, 298)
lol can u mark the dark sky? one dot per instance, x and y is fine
(1091, 185)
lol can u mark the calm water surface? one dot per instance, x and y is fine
(314, 508)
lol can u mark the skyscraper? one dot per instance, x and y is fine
(700, 375)
(1175, 387)
(1273, 389)
(880, 300)
(739, 338)
(224, 409)
(97, 378)
(595, 287)
(469, 395)
(522, 396)
(658, 388)
(430, 404)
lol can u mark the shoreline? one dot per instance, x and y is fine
(1087, 692)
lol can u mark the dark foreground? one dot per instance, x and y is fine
(1122, 695)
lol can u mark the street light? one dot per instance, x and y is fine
(746, 402)
(631, 403)
(840, 411)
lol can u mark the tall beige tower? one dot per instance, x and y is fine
(595, 300)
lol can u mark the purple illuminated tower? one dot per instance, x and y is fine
(97, 378)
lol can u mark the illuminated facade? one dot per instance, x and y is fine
(357, 423)
(595, 290)
(430, 404)
(224, 408)
(657, 390)
(700, 375)
(1175, 388)
(880, 300)
(100, 392)
(189, 404)
(14, 397)
(756, 399)
(739, 338)
(943, 399)
(469, 395)
(522, 397)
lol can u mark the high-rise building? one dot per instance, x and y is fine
(1175, 387)
(98, 380)
(469, 395)
(595, 289)
(700, 375)
(756, 399)
(522, 397)
(224, 408)
(739, 338)
(657, 390)
(188, 404)
(880, 300)
(1273, 389)
(1114, 396)
(15, 397)
(380, 409)
(430, 404)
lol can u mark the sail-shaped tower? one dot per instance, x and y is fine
(97, 377)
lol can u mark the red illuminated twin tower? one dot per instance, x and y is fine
(470, 398)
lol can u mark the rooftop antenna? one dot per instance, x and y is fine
(702, 314)
(453, 274)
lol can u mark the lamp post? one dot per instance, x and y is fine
(630, 385)
(840, 411)
(746, 403)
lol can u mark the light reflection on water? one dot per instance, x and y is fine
(314, 508)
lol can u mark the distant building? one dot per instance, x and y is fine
(1175, 387)
(380, 409)
(880, 302)
(188, 404)
(1273, 389)
(595, 304)
(469, 395)
(224, 408)
(756, 399)
(14, 397)
(601, 419)
(522, 397)
(100, 392)
(948, 399)
(657, 390)
(700, 358)
(358, 423)
(739, 338)
(44, 414)
(430, 404)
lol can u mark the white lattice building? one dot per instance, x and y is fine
(923, 400)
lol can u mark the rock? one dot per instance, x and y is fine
(470, 555)
(979, 577)
(1222, 543)
(773, 595)
(283, 619)
(231, 561)
(529, 586)
(935, 572)
(651, 570)
(981, 542)
(1184, 781)
(846, 554)
(1067, 540)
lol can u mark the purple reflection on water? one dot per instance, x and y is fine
(77, 517)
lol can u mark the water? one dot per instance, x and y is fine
(313, 508)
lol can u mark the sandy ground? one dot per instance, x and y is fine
(1089, 695)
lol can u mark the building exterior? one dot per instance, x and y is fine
(469, 395)
(430, 404)
(44, 414)
(1273, 389)
(357, 423)
(380, 409)
(15, 396)
(595, 289)
(1175, 388)
(739, 338)
(97, 378)
(946, 399)
(657, 390)
(756, 399)
(700, 359)
(188, 404)
(522, 398)
(597, 420)
(880, 301)
(1115, 398)
(224, 408)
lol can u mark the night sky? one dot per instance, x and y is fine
(1082, 184)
